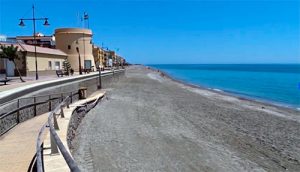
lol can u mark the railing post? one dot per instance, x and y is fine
(42, 153)
(68, 104)
(71, 96)
(61, 97)
(55, 122)
(34, 107)
(54, 149)
(62, 112)
(18, 113)
(49, 103)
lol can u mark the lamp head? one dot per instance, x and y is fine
(21, 23)
(46, 22)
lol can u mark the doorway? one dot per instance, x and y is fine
(10, 68)
(87, 64)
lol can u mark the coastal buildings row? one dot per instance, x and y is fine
(72, 44)
(48, 60)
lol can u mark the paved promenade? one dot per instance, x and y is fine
(17, 146)
(15, 82)
(9, 92)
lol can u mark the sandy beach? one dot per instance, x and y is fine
(149, 122)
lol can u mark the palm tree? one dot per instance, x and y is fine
(12, 54)
(66, 67)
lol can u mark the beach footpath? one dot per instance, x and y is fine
(149, 122)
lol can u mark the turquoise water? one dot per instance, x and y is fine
(275, 83)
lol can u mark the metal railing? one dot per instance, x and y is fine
(54, 137)
(37, 163)
(25, 108)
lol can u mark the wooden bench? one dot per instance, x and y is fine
(60, 73)
(87, 70)
(5, 81)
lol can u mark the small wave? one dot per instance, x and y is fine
(218, 90)
(154, 77)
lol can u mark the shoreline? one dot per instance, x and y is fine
(226, 93)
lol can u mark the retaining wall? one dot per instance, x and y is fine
(80, 112)
(59, 91)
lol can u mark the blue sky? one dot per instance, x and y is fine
(165, 31)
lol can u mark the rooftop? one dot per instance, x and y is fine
(30, 48)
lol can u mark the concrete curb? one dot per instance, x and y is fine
(9, 95)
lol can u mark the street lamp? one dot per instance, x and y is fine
(46, 23)
(80, 71)
(99, 67)
(99, 81)
(116, 58)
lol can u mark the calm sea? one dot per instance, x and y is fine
(274, 83)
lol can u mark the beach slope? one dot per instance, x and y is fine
(151, 123)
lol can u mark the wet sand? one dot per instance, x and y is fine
(152, 123)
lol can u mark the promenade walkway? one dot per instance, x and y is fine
(9, 92)
(16, 83)
(18, 146)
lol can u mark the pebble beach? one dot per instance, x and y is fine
(149, 122)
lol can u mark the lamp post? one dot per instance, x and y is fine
(33, 19)
(80, 71)
(99, 67)
(117, 58)
(99, 81)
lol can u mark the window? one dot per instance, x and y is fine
(49, 65)
(69, 47)
(57, 65)
(87, 64)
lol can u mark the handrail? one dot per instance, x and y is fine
(39, 143)
(21, 108)
(68, 158)
(46, 95)
(34, 105)
(29, 105)
(39, 148)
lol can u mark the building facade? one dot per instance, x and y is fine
(77, 44)
(100, 57)
(111, 56)
(40, 40)
(48, 60)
